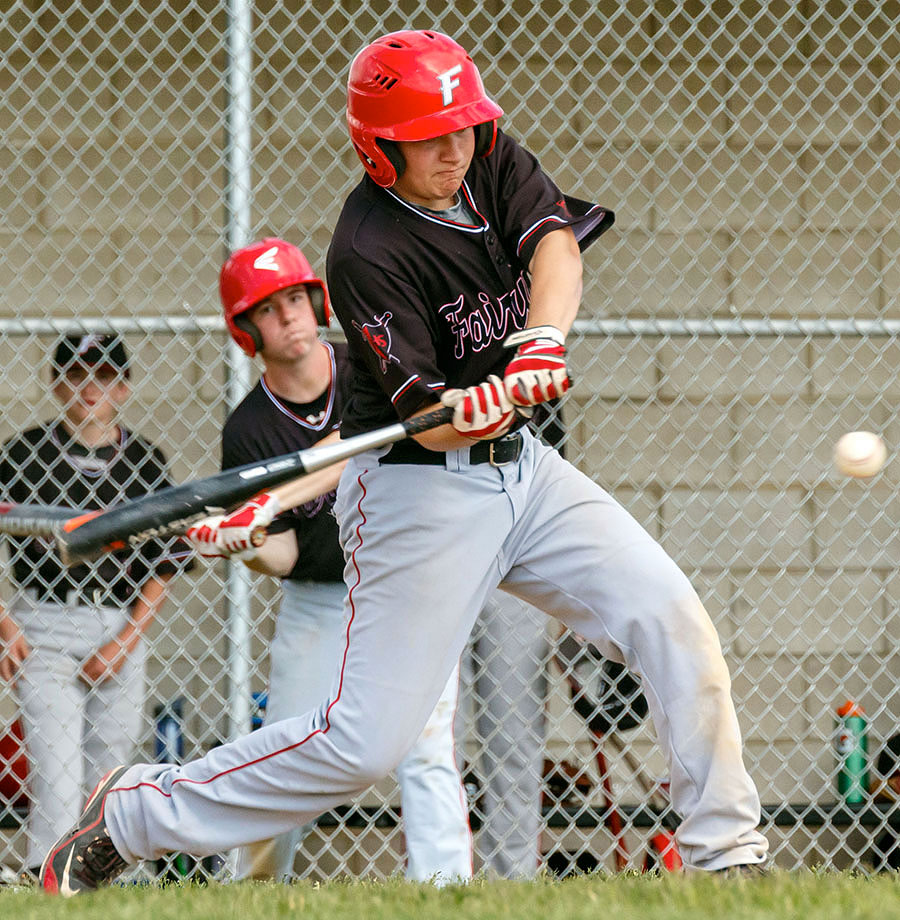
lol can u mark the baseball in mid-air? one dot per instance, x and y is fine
(860, 454)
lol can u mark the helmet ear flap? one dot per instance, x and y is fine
(242, 322)
(485, 137)
(317, 299)
(394, 157)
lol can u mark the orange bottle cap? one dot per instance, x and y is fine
(850, 709)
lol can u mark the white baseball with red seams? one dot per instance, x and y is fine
(860, 454)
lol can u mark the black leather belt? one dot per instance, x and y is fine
(498, 452)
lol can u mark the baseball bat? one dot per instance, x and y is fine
(171, 510)
(32, 520)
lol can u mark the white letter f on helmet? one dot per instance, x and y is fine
(448, 84)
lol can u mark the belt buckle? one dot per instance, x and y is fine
(515, 442)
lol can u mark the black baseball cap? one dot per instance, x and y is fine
(90, 350)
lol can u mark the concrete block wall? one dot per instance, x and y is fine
(754, 172)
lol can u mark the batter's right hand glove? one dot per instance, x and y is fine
(482, 411)
(234, 535)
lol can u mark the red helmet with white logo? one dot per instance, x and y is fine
(412, 86)
(257, 271)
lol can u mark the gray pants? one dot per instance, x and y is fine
(505, 679)
(73, 733)
(426, 547)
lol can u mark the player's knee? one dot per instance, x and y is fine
(675, 618)
(686, 621)
(661, 591)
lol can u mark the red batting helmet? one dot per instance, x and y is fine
(412, 86)
(257, 271)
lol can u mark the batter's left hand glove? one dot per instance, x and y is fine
(482, 411)
(234, 535)
(537, 371)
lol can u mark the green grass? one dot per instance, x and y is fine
(803, 895)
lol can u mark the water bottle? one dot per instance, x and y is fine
(169, 740)
(851, 747)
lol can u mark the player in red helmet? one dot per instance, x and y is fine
(257, 271)
(412, 86)
(456, 278)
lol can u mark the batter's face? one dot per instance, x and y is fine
(287, 324)
(435, 169)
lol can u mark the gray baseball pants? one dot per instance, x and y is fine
(426, 545)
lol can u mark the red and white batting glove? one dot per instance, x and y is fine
(232, 535)
(482, 411)
(537, 371)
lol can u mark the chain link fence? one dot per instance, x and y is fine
(740, 316)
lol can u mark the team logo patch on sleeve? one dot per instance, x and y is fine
(378, 338)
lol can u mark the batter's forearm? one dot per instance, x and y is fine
(556, 281)
(443, 438)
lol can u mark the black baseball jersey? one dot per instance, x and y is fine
(426, 302)
(48, 466)
(265, 425)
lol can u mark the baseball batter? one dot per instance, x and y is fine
(274, 305)
(455, 270)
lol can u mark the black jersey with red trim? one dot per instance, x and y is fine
(48, 466)
(265, 425)
(426, 302)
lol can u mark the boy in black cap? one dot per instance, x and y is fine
(70, 641)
